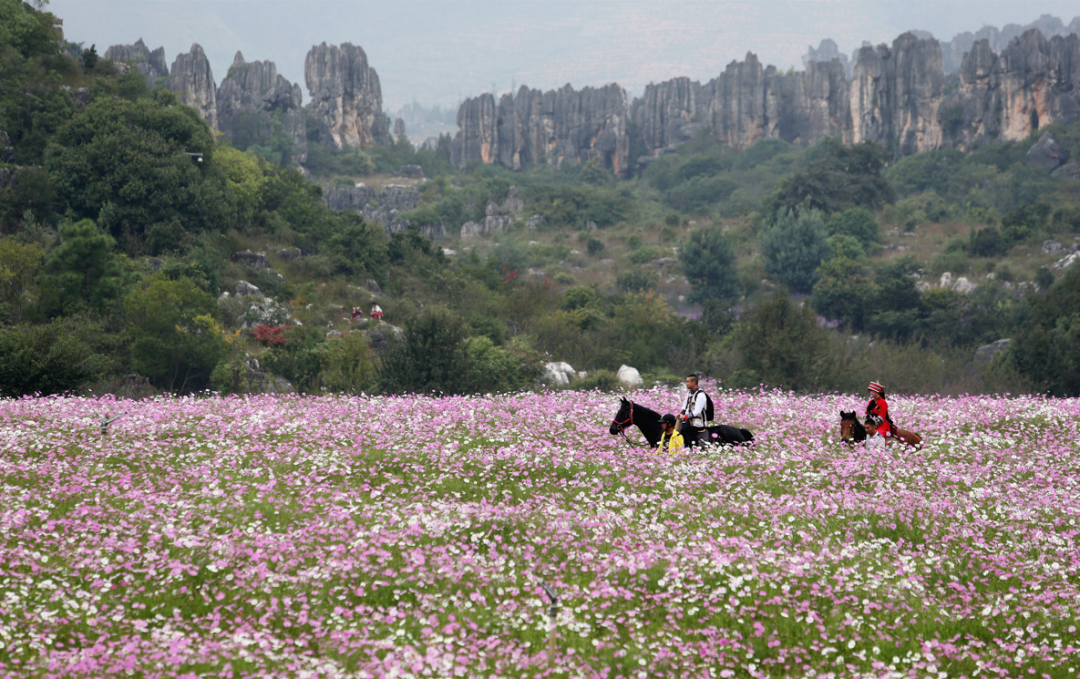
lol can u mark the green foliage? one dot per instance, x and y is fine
(635, 280)
(492, 368)
(708, 261)
(19, 266)
(1023, 222)
(837, 178)
(82, 272)
(594, 246)
(779, 344)
(857, 222)
(987, 242)
(301, 360)
(128, 163)
(574, 206)
(1046, 349)
(46, 359)
(347, 365)
(431, 357)
(360, 249)
(174, 337)
(27, 31)
(794, 246)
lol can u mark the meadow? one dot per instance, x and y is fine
(407, 537)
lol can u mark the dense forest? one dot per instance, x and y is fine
(815, 269)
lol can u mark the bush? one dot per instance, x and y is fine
(347, 364)
(602, 380)
(594, 246)
(778, 344)
(708, 260)
(858, 222)
(46, 359)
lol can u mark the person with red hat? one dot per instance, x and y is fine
(878, 410)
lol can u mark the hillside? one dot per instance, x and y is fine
(147, 247)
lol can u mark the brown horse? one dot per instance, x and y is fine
(852, 431)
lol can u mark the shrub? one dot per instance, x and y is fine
(857, 222)
(708, 260)
(594, 246)
(46, 359)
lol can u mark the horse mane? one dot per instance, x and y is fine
(646, 420)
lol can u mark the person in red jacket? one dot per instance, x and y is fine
(878, 410)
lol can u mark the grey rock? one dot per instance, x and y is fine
(7, 151)
(590, 225)
(986, 353)
(193, 82)
(826, 51)
(154, 264)
(249, 96)
(946, 280)
(558, 373)
(534, 222)
(554, 127)
(629, 376)
(411, 171)
(383, 206)
(80, 96)
(7, 177)
(1047, 154)
(151, 64)
(399, 129)
(289, 254)
(245, 289)
(372, 285)
(964, 286)
(256, 260)
(1052, 247)
(1068, 171)
(346, 97)
(334, 333)
(1066, 262)
(663, 261)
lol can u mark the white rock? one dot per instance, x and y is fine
(245, 289)
(964, 286)
(558, 372)
(1066, 262)
(946, 280)
(629, 376)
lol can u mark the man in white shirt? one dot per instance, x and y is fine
(693, 410)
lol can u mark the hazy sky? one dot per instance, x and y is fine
(438, 51)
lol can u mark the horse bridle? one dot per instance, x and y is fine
(624, 424)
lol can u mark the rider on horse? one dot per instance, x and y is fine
(878, 410)
(694, 407)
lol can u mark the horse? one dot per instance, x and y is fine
(648, 421)
(853, 431)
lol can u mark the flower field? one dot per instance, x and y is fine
(408, 537)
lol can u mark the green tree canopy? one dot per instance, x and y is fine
(133, 157)
(82, 272)
(837, 177)
(793, 247)
(175, 339)
(779, 343)
(46, 359)
(708, 260)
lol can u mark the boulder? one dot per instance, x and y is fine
(256, 260)
(1052, 247)
(1047, 154)
(558, 373)
(629, 376)
(534, 222)
(1068, 171)
(346, 97)
(289, 254)
(411, 171)
(245, 289)
(383, 206)
(372, 285)
(946, 280)
(1066, 262)
(986, 353)
(7, 177)
(964, 286)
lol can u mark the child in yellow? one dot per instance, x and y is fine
(671, 441)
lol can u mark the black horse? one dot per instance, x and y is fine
(648, 421)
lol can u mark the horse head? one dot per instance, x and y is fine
(851, 430)
(623, 418)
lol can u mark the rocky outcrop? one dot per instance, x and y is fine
(151, 64)
(1033, 82)
(998, 39)
(7, 151)
(346, 97)
(193, 82)
(896, 93)
(986, 353)
(827, 51)
(249, 99)
(498, 217)
(383, 206)
(664, 116)
(1046, 154)
(555, 127)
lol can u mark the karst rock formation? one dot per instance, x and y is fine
(193, 82)
(150, 64)
(249, 96)
(346, 97)
(898, 96)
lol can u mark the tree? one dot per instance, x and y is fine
(794, 247)
(134, 157)
(708, 260)
(347, 365)
(46, 359)
(174, 337)
(779, 343)
(838, 177)
(1046, 350)
(857, 222)
(19, 265)
(430, 356)
(843, 289)
(82, 272)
